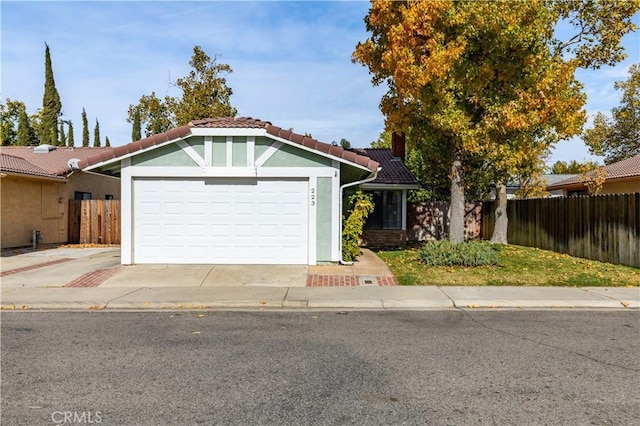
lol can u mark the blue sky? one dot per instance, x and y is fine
(291, 62)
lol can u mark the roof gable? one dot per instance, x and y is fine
(243, 124)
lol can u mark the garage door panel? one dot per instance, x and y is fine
(220, 221)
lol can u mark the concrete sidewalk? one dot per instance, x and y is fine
(257, 297)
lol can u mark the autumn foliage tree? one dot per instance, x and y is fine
(487, 81)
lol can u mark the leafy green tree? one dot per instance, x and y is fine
(488, 81)
(26, 135)
(204, 94)
(51, 105)
(70, 139)
(107, 142)
(618, 138)
(344, 144)
(85, 129)
(96, 134)
(572, 167)
(9, 116)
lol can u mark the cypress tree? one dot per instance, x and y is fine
(25, 134)
(63, 137)
(70, 141)
(107, 143)
(96, 135)
(136, 133)
(51, 105)
(85, 129)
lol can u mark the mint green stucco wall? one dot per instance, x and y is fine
(239, 151)
(170, 155)
(197, 143)
(289, 156)
(323, 220)
(219, 151)
(262, 144)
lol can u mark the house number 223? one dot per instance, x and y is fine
(313, 196)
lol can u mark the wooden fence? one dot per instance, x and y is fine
(603, 227)
(94, 222)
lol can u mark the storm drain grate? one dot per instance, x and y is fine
(367, 280)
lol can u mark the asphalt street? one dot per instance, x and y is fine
(435, 367)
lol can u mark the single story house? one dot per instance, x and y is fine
(549, 180)
(386, 226)
(231, 191)
(36, 184)
(622, 177)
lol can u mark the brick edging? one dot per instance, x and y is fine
(36, 266)
(94, 278)
(318, 280)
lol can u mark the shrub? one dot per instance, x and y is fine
(361, 205)
(445, 253)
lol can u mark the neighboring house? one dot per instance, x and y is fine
(622, 177)
(36, 184)
(231, 191)
(550, 179)
(387, 225)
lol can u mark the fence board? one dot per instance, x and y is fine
(94, 222)
(604, 227)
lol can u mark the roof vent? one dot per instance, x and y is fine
(43, 149)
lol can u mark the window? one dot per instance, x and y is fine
(79, 195)
(108, 197)
(387, 213)
(577, 193)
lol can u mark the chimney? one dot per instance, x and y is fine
(398, 145)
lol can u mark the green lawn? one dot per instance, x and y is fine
(517, 266)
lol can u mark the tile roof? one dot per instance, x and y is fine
(231, 123)
(13, 164)
(394, 171)
(620, 170)
(55, 163)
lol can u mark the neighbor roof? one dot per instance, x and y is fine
(624, 169)
(393, 172)
(53, 164)
(230, 123)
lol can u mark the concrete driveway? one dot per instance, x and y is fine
(208, 276)
(79, 267)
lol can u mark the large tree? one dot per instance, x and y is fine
(51, 105)
(619, 137)
(204, 94)
(487, 81)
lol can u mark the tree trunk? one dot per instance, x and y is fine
(456, 210)
(501, 221)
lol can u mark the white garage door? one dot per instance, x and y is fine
(223, 221)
